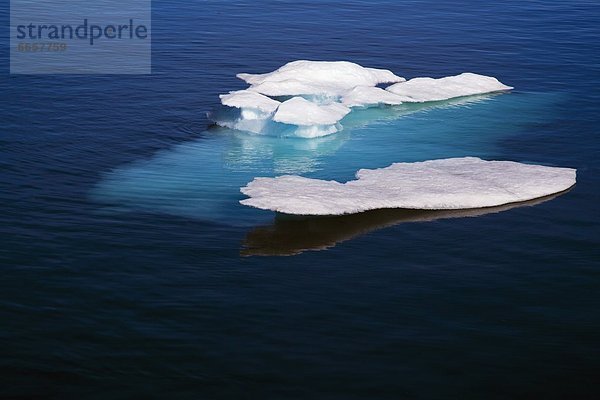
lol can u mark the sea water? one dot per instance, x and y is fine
(129, 268)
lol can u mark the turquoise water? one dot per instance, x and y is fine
(172, 181)
(130, 270)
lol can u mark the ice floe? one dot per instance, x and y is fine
(289, 235)
(314, 96)
(247, 99)
(299, 111)
(429, 89)
(317, 77)
(364, 96)
(446, 184)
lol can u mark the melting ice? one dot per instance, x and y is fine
(201, 178)
(454, 183)
(310, 98)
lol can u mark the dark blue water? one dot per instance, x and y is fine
(129, 270)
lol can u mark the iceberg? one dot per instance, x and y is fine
(309, 98)
(445, 184)
(429, 89)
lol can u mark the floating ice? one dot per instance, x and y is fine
(247, 99)
(317, 77)
(174, 182)
(289, 235)
(429, 89)
(322, 91)
(453, 183)
(299, 111)
(362, 96)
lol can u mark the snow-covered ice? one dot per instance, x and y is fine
(299, 111)
(429, 89)
(453, 183)
(249, 99)
(314, 96)
(317, 77)
(362, 96)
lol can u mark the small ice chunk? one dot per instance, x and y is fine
(299, 111)
(446, 184)
(246, 99)
(430, 89)
(363, 96)
(317, 77)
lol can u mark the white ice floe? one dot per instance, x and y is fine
(430, 89)
(248, 99)
(454, 183)
(363, 96)
(322, 93)
(299, 111)
(317, 77)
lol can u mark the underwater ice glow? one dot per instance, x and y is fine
(201, 178)
(446, 184)
(314, 96)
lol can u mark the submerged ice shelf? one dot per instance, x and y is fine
(446, 184)
(314, 96)
(311, 99)
(201, 178)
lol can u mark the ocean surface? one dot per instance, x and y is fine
(129, 270)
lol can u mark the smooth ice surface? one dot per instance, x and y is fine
(453, 183)
(317, 77)
(299, 111)
(249, 99)
(430, 89)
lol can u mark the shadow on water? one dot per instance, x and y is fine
(290, 235)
